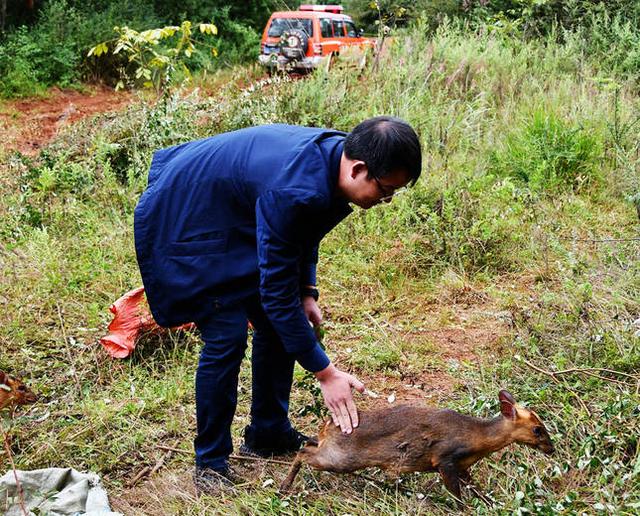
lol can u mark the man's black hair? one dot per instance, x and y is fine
(386, 144)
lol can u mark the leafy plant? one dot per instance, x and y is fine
(154, 63)
(548, 153)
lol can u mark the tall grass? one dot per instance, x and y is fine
(524, 214)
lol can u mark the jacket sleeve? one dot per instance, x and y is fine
(308, 264)
(280, 224)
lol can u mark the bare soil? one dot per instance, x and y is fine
(471, 334)
(29, 124)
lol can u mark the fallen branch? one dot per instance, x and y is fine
(68, 350)
(148, 471)
(597, 240)
(176, 450)
(7, 448)
(376, 323)
(141, 474)
(601, 369)
(236, 457)
(589, 371)
(260, 459)
(553, 377)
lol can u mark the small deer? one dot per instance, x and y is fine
(13, 392)
(408, 438)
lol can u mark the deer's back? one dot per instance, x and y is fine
(403, 438)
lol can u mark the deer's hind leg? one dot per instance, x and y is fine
(302, 456)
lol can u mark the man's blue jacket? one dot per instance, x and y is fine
(226, 216)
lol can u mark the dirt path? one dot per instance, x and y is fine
(27, 125)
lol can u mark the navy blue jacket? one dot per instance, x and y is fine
(225, 216)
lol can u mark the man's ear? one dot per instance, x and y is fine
(358, 167)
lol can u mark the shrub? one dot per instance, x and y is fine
(547, 153)
(18, 74)
(52, 51)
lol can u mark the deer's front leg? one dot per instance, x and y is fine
(465, 478)
(451, 477)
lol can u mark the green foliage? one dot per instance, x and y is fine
(17, 71)
(240, 25)
(399, 13)
(606, 31)
(52, 51)
(252, 13)
(240, 43)
(511, 264)
(375, 356)
(548, 154)
(46, 55)
(615, 41)
(154, 63)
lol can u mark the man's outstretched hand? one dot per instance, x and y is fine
(336, 388)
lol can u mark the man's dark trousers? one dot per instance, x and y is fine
(224, 334)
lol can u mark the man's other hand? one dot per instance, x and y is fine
(312, 311)
(336, 389)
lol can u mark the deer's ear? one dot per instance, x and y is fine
(508, 410)
(507, 405)
(506, 396)
(3, 377)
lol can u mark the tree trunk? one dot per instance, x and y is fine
(3, 14)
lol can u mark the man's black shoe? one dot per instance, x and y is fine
(212, 481)
(278, 444)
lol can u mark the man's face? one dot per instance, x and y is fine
(367, 191)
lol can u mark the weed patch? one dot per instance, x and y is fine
(513, 263)
(548, 154)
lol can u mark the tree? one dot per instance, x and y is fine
(154, 62)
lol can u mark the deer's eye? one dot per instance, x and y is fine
(537, 431)
(22, 388)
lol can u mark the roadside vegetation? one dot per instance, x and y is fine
(49, 45)
(513, 263)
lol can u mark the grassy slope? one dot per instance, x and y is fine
(457, 289)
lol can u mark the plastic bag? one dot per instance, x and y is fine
(132, 318)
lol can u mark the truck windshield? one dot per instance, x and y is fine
(279, 25)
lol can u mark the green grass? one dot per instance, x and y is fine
(513, 258)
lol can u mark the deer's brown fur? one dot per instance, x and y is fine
(14, 392)
(407, 438)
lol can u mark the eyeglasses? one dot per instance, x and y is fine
(388, 191)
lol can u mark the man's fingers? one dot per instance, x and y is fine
(345, 420)
(333, 410)
(353, 412)
(357, 384)
(339, 400)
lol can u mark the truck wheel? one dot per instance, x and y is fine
(294, 44)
